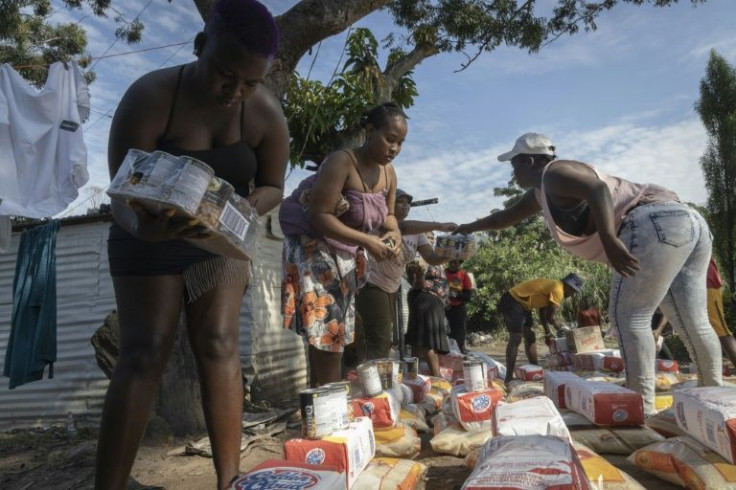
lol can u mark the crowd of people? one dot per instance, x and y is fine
(348, 243)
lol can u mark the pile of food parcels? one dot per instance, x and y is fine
(547, 429)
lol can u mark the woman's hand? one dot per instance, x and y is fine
(618, 255)
(392, 239)
(463, 229)
(165, 226)
(448, 227)
(378, 248)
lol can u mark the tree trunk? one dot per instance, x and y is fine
(179, 398)
(179, 401)
(304, 25)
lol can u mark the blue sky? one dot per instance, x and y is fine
(621, 98)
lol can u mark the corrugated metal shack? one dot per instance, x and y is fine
(273, 358)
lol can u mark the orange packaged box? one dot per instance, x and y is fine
(349, 450)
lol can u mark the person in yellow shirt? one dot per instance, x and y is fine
(517, 304)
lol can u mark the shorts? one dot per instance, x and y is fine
(715, 312)
(201, 270)
(514, 315)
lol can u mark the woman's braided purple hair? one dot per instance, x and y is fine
(248, 21)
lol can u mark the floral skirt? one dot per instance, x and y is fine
(318, 291)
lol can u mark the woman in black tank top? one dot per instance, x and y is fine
(216, 110)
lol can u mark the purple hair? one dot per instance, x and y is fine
(248, 21)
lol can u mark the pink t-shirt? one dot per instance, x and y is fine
(624, 194)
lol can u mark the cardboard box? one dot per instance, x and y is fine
(348, 450)
(584, 339)
(709, 416)
(604, 403)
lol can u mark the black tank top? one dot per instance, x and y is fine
(236, 163)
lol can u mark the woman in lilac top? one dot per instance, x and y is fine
(327, 223)
(657, 246)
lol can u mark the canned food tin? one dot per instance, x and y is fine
(317, 413)
(369, 379)
(474, 374)
(339, 404)
(411, 367)
(387, 371)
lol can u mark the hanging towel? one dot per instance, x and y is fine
(43, 158)
(32, 343)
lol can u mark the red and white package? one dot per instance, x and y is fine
(419, 387)
(382, 410)
(451, 366)
(275, 474)
(709, 415)
(529, 372)
(554, 386)
(667, 366)
(558, 344)
(526, 462)
(474, 410)
(599, 360)
(604, 403)
(561, 361)
(349, 450)
(532, 416)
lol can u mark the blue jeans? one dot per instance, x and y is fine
(673, 245)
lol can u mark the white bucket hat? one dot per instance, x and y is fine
(529, 144)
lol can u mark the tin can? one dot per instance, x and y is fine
(411, 367)
(474, 374)
(388, 371)
(370, 379)
(339, 404)
(317, 413)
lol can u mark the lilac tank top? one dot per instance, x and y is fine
(367, 212)
(625, 196)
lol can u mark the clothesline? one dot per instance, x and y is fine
(45, 67)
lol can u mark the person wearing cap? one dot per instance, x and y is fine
(516, 305)
(657, 246)
(376, 301)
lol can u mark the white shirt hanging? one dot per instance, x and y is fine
(43, 158)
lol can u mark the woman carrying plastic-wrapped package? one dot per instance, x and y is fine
(328, 223)
(214, 109)
(657, 246)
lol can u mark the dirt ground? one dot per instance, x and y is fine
(49, 460)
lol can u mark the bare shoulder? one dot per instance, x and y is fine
(151, 95)
(263, 110)
(569, 167)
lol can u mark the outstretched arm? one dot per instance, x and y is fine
(525, 207)
(413, 227)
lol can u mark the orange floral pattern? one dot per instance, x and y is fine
(318, 292)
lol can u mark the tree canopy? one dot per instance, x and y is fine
(30, 41)
(717, 109)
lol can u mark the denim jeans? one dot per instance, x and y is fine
(673, 245)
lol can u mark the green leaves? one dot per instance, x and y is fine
(32, 42)
(325, 117)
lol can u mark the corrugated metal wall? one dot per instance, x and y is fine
(85, 297)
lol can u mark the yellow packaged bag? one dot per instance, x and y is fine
(602, 474)
(455, 441)
(391, 474)
(685, 462)
(400, 441)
